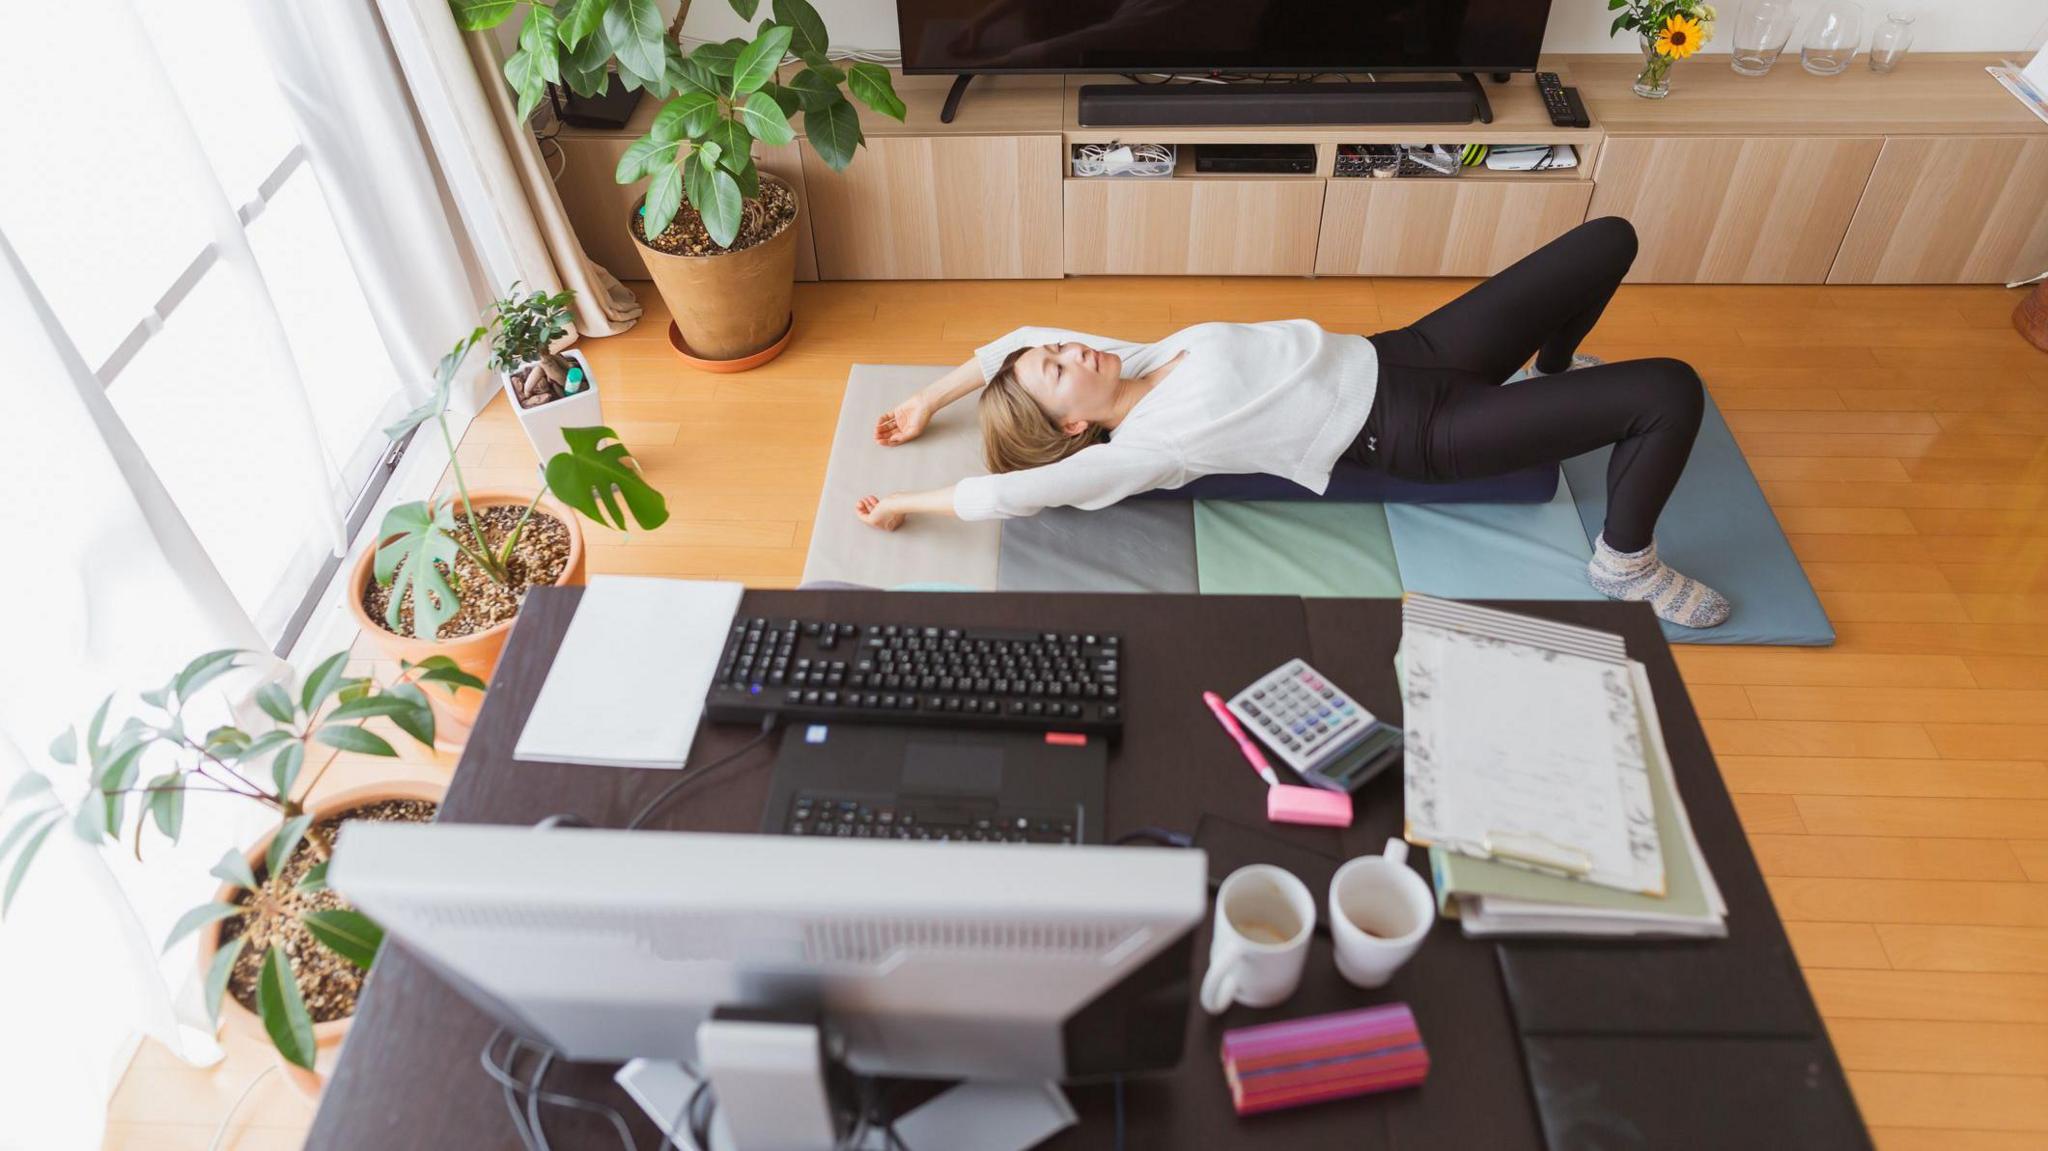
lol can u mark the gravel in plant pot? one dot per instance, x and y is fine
(289, 951)
(707, 202)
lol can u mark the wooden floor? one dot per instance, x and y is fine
(1895, 786)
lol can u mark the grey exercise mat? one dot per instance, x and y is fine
(1138, 546)
(928, 549)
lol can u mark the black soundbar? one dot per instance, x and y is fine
(1379, 102)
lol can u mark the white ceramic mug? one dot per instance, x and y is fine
(1380, 910)
(1264, 917)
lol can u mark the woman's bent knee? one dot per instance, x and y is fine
(1674, 389)
(1614, 233)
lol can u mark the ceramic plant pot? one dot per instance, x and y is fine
(543, 425)
(731, 306)
(327, 1036)
(476, 653)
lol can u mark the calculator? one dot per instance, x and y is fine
(1327, 737)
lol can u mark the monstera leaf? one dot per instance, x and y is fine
(418, 542)
(592, 473)
(444, 378)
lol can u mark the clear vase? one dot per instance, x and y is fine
(1654, 81)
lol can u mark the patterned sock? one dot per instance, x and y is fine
(1579, 360)
(1641, 576)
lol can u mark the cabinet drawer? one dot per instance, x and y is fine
(1959, 210)
(1463, 226)
(939, 208)
(1734, 211)
(1192, 226)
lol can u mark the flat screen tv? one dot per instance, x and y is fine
(1240, 36)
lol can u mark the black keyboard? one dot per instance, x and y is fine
(900, 673)
(855, 818)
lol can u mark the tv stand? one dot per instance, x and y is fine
(953, 94)
(1459, 101)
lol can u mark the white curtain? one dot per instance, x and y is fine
(494, 167)
(350, 105)
(224, 254)
(118, 592)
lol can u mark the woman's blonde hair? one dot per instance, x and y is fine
(1016, 433)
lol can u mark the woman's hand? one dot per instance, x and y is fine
(880, 512)
(905, 422)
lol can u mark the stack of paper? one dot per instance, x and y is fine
(1523, 745)
(1495, 892)
(628, 685)
(1491, 898)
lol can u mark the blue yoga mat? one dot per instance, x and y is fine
(1719, 528)
(1493, 551)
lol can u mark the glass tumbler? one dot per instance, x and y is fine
(1889, 43)
(1832, 42)
(1762, 30)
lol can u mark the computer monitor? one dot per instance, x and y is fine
(918, 959)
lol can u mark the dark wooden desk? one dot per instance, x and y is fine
(1700, 1028)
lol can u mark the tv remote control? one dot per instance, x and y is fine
(1565, 107)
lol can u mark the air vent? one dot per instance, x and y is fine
(869, 940)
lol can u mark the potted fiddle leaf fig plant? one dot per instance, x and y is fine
(447, 573)
(718, 235)
(548, 390)
(281, 955)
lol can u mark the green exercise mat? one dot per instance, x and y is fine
(1294, 548)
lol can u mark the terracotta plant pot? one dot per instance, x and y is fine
(731, 305)
(476, 653)
(2031, 317)
(327, 1036)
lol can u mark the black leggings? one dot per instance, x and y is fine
(1441, 415)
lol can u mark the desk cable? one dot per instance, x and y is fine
(768, 724)
(530, 1092)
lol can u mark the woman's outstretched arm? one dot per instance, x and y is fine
(1094, 477)
(907, 420)
(888, 512)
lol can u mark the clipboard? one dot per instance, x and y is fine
(1524, 746)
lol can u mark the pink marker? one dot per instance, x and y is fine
(1251, 751)
(1285, 803)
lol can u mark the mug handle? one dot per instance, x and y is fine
(1219, 986)
(1397, 850)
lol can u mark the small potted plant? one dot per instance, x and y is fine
(282, 956)
(725, 261)
(548, 390)
(1670, 31)
(447, 573)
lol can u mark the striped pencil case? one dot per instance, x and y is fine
(1323, 1057)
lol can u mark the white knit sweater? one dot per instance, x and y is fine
(1284, 397)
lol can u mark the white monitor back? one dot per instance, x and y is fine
(934, 959)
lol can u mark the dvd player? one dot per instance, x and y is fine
(1261, 159)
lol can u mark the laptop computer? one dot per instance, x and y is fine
(866, 781)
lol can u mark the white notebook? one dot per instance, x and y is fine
(628, 685)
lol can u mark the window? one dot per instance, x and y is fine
(158, 195)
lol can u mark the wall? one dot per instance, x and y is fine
(1575, 25)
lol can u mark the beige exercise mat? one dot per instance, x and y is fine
(928, 549)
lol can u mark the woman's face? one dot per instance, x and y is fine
(1074, 383)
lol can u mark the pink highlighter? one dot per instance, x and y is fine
(1285, 802)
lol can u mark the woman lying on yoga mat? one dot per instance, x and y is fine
(1072, 420)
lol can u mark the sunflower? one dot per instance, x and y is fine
(1679, 38)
